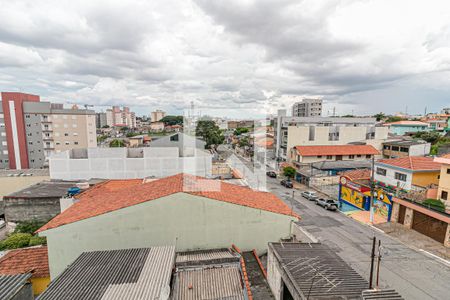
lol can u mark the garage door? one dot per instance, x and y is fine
(429, 226)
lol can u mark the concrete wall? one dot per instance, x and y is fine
(274, 278)
(10, 185)
(187, 221)
(115, 163)
(390, 177)
(420, 150)
(25, 209)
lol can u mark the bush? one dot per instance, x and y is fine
(37, 240)
(28, 226)
(434, 204)
(16, 240)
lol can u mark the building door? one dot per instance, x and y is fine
(338, 157)
(401, 214)
(429, 226)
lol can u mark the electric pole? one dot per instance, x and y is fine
(372, 260)
(372, 187)
(378, 263)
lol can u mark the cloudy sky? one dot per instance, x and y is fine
(233, 58)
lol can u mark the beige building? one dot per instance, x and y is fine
(157, 115)
(120, 117)
(444, 180)
(73, 129)
(314, 154)
(157, 126)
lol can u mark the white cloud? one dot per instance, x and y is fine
(236, 54)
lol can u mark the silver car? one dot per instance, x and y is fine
(310, 195)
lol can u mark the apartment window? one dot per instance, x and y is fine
(58, 143)
(2, 124)
(56, 133)
(359, 155)
(67, 143)
(351, 157)
(4, 143)
(74, 125)
(56, 125)
(395, 148)
(66, 134)
(75, 143)
(381, 171)
(448, 171)
(32, 160)
(75, 134)
(2, 116)
(319, 156)
(3, 133)
(400, 176)
(386, 147)
(65, 125)
(28, 125)
(30, 134)
(368, 156)
(444, 195)
(5, 152)
(404, 149)
(31, 143)
(55, 117)
(329, 156)
(27, 116)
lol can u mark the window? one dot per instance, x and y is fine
(359, 155)
(74, 125)
(75, 134)
(31, 143)
(75, 143)
(368, 156)
(3, 133)
(395, 148)
(66, 134)
(4, 143)
(351, 157)
(444, 195)
(65, 125)
(400, 176)
(319, 156)
(2, 116)
(381, 171)
(58, 143)
(5, 152)
(448, 171)
(329, 156)
(404, 149)
(67, 143)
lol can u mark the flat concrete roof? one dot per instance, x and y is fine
(24, 172)
(44, 189)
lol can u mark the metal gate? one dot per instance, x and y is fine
(429, 226)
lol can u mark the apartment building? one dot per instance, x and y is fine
(120, 117)
(36, 129)
(157, 115)
(325, 131)
(307, 107)
(314, 154)
(101, 120)
(405, 148)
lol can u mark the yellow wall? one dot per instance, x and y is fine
(39, 284)
(424, 179)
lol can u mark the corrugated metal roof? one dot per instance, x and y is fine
(11, 284)
(381, 295)
(317, 271)
(213, 256)
(215, 282)
(116, 274)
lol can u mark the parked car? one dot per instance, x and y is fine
(287, 183)
(310, 195)
(327, 204)
(271, 174)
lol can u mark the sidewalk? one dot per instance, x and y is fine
(415, 239)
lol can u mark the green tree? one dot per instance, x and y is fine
(240, 130)
(37, 240)
(289, 172)
(432, 137)
(172, 120)
(393, 119)
(29, 226)
(210, 132)
(15, 240)
(380, 116)
(243, 142)
(116, 143)
(105, 126)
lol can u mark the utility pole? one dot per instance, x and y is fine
(372, 187)
(378, 263)
(292, 203)
(372, 260)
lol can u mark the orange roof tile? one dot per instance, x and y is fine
(414, 163)
(116, 194)
(357, 174)
(27, 260)
(336, 150)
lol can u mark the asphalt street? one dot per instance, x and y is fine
(414, 274)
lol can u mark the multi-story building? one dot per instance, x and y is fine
(36, 129)
(307, 107)
(314, 154)
(118, 117)
(101, 120)
(157, 115)
(405, 148)
(325, 131)
(444, 180)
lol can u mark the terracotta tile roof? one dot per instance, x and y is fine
(357, 174)
(408, 123)
(414, 163)
(27, 260)
(116, 194)
(336, 150)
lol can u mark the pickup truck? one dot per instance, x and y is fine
(310, 195)
(327, 204)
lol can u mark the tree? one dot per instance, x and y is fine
(172, 120)
(289, 172)
(244, 142)
(116, 143)
(240, 130)
(105, 126)
(28, 226)
(210, 132)
(430, 136)
(380, 116)
(15, 240)
(393, 119)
